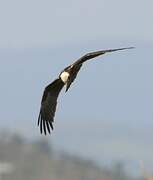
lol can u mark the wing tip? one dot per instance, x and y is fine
(120, 49)
(131, 47)
(45, 125)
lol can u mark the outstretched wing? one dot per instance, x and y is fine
(97, 53)
(75, 67)
(48, 106)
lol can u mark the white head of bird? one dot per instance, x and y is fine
(64, 76)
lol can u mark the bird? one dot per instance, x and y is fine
(65, 78)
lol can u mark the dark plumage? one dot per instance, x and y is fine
(51, 92)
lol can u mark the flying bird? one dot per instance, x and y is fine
(51, 92)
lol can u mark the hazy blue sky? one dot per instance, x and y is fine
(37, 23)
(107, 114)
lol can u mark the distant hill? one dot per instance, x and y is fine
(37, 161)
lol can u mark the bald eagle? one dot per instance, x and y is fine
(51, 92)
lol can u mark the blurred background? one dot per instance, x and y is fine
(103, 125)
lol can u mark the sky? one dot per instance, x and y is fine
(109, 107)
(37, 23)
